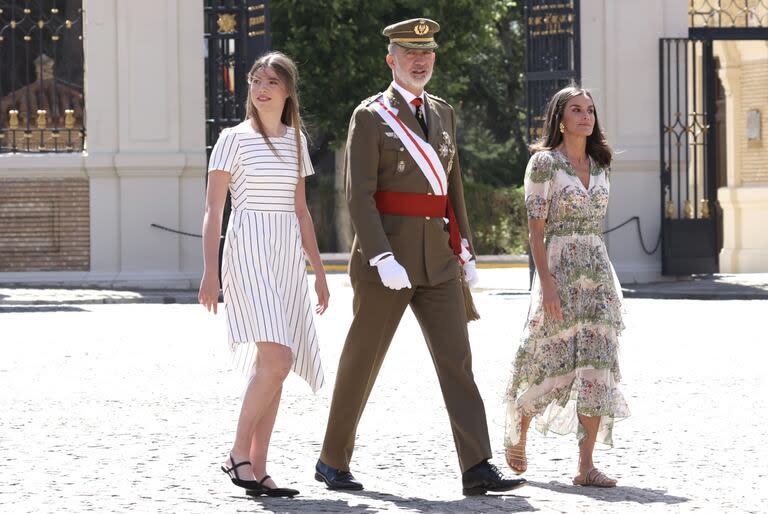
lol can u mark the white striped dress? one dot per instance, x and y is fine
(264, 277)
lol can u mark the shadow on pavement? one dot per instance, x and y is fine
(614, 494)
(41, 308)
(300, 504)
(505, 502)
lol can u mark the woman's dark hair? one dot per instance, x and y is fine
(597, 146)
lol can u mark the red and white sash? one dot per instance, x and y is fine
(423, 153)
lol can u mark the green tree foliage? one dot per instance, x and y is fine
(340, 52)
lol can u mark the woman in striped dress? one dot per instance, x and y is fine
(262, 163)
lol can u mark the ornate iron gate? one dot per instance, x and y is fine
(552, 61)
(688, 92)
(236, 34)
(41, 76)
(552, 55)
(687, 135)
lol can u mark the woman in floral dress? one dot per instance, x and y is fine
(566, 370)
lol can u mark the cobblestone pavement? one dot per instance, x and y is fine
(131, 408)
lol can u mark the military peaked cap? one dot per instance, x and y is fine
(418, 33)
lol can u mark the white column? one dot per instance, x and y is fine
(619, 62)
(145, 110)
(192, 136)
(101, 96)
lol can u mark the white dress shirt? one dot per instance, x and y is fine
(408, 97)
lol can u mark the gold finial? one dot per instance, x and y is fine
(40, 24)
(68, 23)
(13, 121)
(670, 210)
(69, 118)
(688, 210)
(226, 23)
(41, 120)
(27, 11)
(705, 208)
(13, 24)
(54, 11)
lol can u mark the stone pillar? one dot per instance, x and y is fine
(619, 62)
(145, 111)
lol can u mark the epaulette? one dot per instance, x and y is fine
(368, 101)
(433, 97)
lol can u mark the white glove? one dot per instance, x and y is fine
(470, 270)
(392, 274)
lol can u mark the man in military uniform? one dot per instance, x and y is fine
(406, 201)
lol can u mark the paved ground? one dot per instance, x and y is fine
(509, 275)
(131, 407)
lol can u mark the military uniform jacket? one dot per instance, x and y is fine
(376, 160)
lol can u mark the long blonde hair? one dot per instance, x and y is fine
(288, 73)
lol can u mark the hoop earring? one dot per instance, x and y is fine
(562, 128)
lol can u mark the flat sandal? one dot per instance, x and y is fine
(595, 478)
(239, 482)
(514, 454)
(274, 492)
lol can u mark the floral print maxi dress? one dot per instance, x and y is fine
(570, 367)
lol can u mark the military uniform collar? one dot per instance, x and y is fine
(407, 95)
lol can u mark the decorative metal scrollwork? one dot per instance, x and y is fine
(728, 13)
(41, 64)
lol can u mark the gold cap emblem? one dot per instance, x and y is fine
(418, 33)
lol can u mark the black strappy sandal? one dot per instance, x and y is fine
(239, 482)
(274, 492)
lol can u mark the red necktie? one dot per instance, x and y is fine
(418, 102)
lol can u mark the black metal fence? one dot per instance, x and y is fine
(688, 180)
(692, 151)
(236, 33)
(552, 55)
(41, 76)
(727, 14)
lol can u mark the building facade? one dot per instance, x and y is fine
(680, 87)
(681, 90)
(143, 161)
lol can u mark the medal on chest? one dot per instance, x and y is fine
(446, 148)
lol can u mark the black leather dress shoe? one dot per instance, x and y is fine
(335, 478)
(484, 477)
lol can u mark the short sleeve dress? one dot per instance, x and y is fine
(264, 277)
(570, 367)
